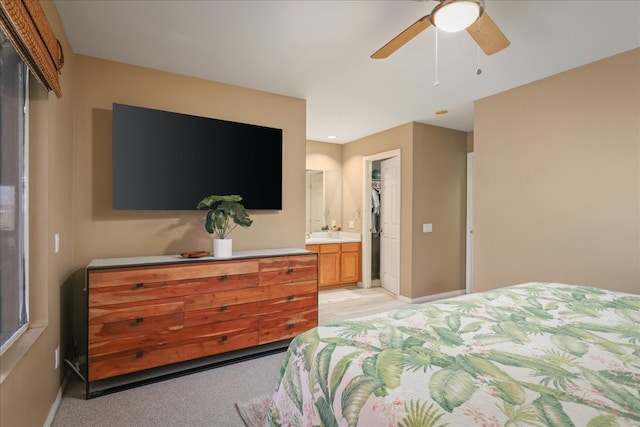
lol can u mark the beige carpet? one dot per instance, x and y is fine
(254, 412)
(202, 399)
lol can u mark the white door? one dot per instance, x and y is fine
(316, 208)
(390, 225)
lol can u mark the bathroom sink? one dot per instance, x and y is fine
(324, 237)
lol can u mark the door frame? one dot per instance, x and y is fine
(469, 242)
(367, 162)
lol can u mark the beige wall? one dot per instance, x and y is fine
(29, 381)
(440, 199)
(324, 156)
(556, 179)
(433, 190)
(102, 232)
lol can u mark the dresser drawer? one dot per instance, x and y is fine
(293, 302)
(288, 290)
(135, 310)
(213, 300)
(284, 262)
(288, 269)
(221, 313)
(122, 356)
(168, 273)
(287, 324)
(134, 327)
(132, 293)
(173, 338)
(101, 367)
(148, 291)
(243, 296)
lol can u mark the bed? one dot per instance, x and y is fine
(535, 354)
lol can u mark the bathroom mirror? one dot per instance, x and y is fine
(323, 200)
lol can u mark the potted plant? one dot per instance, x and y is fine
(224, 214)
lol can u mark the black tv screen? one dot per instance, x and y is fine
(170, 161)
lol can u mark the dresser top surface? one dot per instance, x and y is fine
(172, 259)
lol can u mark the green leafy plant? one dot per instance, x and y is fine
(224, 214)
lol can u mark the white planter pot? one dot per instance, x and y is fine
(222, 248)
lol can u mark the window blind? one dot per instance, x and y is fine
(26, 25)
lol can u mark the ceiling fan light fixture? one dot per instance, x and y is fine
(455, 15)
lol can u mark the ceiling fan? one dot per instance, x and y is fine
(452, 16)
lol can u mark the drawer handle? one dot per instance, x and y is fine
(290, 326)
(224, 277)
(223, 339)
(139, 355)
(140, 320)
(290, 298)
(223, 308)
(139, 285)
(289, 270)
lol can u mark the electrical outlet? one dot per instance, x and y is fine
(352, 224)
(56, 355)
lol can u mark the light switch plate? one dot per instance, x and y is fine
(427, 228)
(56, 243)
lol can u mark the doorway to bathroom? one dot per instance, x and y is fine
(381, 221)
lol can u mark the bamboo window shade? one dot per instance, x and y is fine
(26, 25)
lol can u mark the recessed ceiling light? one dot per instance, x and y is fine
(331, 137)
(441, 112)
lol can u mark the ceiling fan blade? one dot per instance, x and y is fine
(487, 34)
(398, 41)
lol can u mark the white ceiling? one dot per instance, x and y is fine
(320, 51)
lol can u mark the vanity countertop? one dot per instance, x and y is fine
(326, 237)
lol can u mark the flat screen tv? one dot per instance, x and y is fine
(170, 161)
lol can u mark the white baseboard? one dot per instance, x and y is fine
(56, 403)
(428, 298)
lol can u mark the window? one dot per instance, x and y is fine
(13, 195)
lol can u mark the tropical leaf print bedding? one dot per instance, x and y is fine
(536, 354)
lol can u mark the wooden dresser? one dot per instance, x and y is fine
(150, 312)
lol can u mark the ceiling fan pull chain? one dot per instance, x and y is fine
(478, 69)
(436, 82)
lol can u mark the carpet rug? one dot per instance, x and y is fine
(254, 412)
